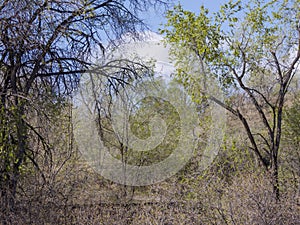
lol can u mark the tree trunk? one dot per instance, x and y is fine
(275, 179)
(13, 146)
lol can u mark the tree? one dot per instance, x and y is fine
(291, 139)
(239, 47)
(45, 46)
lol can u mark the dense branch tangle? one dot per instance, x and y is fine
(56, 36)
(45, 46)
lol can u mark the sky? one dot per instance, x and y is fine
(191, 5)
(151, 47)
(156, 19)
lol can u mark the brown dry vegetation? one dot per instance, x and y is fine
(44, 178)
(234, 190)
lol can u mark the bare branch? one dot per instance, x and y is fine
(278, 67)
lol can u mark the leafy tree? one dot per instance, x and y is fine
(252, 50)
(45, 46)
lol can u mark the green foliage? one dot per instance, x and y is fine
(293, 122)
(238, 32)
(140, 124)
(250, 51)
(199, 31)
(291, 141)
(9, 137)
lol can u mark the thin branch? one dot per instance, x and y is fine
(265, 140)
(255, 102)
(246, 126)
(263, 97)
(277, 67)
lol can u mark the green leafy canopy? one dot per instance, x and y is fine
(241, 35)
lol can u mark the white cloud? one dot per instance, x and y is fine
(149, 47)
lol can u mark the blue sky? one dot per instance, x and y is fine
(191, 5)
(155, 19)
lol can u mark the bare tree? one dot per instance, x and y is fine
(45, 46)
